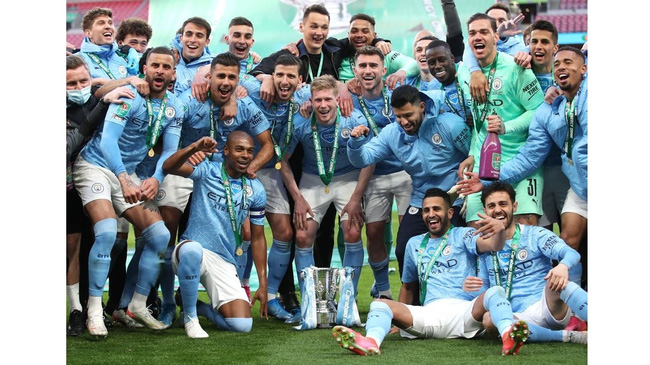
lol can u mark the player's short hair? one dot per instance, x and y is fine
(73, 62)
(438, 193)
(200, 22)
(289, 60)
(405, 94)
(496, 187)
(143, 60)
(545, 25)
(324, 82)
(482, 16)
(135, 26)
(224, 59)
(315, 8)
(240, 20)
(160, 50)
(500, 6)
(92, 14)
(440, 43)
(369, 51)
(574, 50)
(362, 16)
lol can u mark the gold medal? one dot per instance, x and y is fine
(278, 166)
(239, 251)
(151, 153)
(327, 189)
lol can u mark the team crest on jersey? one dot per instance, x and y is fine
(345, 132)
(327, 136)
(497, 84)
(97, 188)
(446, 251)
(122, 70)
(413, 210)
(249, 191)
(170, 112)
(229, 122)
(522, 254)
(161, 195)
(436, 138)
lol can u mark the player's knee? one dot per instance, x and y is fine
(105, 231)
(284, 235)
(303, 240)
(381, 305)
(240, 324)
(571, 236)
(495, 291)
(157, 235)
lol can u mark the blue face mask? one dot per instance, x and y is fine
(79, 97)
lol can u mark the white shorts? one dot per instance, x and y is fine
(276, 195)
(381, 191)
(174, 192)
(94, 183)
(539, 314)
(572, 204)
(340, 190)
(443, 318)
(554, 193)
(218, 277)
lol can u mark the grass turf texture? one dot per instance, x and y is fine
(274, 342)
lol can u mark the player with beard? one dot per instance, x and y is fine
(223, 197)
(104, 176)
(539, 293)
(437, 262)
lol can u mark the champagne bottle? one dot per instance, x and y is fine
(490, 164)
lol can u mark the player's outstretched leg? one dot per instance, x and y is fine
(354, 341)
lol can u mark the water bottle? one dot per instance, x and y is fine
(490, 164)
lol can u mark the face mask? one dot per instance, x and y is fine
(79, 97)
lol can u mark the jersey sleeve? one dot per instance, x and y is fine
(530, 97)
(554, 247)
(396, 61)
(363, 151)
(258, 204)
(114, 123)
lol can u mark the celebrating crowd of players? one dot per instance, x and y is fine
(196, 150)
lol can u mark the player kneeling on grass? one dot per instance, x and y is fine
(438, 262)
(208, 248)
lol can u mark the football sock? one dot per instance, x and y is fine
(380, 270)
(304, 258)
(379, 321)
(99, 259)
(576, 298)
(156, 238)
(540, 334)
(73, 297)
(278, 261)
(495, 301)
(354, 258)
(189, 270)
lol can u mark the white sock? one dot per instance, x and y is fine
(73, 297)
(138, 302)
(94, 306)
(270, 296)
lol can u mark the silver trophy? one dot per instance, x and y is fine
(326, 285)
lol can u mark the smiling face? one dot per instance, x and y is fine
(102, 31)
(436, 215)
(194, 40)
(238, 153)
(285, 80)
(542, 47)
(369, 69)
(324, 104)
(314, 29)
(499, 206)
(410, 117)
(158, 72)
(361, 33)
(137, 42)
(441, 65)
(482, 41)
(419, 53)
(223, 82)
(240, 40)
(569, 71)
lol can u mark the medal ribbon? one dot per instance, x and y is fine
(479, 122)
(288, 134)
(320, 67)
(511, 263)
(366, 113)
(425, 275)
(236, 228)
(461, 100)
(326, 178)
(153, 132)
(249, 63)
(101, 65)
(570, 114)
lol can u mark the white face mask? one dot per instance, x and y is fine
(79, 97)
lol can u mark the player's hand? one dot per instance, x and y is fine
(292, 48)
(478, 87)
(301, 208)
(495, 124)
(149, 189)
(241, 92)
(393, 330)
(262, 296)
(345, 100)
(140, 85)
(120, 92)
(509, 28)
(69, 47)
(355, 213)
(466, 165)
(551, 93)
(130, 190)
(472, 283)
(384, 47)
(306, 109)
(354, 86)
(489, 226)
(393, 79)
(201, 85)
(250, 172)
(256, 57)
(472, 184)
(523, 59)
(228, 110)
(267, 90)
(557, 278)
(205, 144)
(360, 130)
